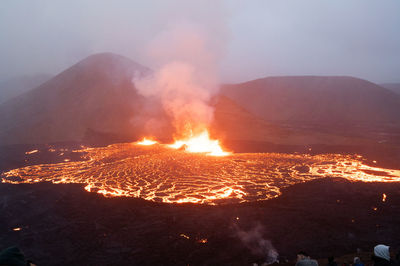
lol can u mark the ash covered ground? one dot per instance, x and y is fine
(58, 224)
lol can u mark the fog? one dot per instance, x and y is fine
(252, 39)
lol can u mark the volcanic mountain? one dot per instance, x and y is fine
(96, 100)
(317, 100)
(392, 86)
(94, 95)
(232, 122)
(18, 85)
(237, 123)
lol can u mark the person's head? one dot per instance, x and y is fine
(356, 260)
(302, 255)
(12, 256)
(382, 251)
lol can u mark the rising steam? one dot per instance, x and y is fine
(254, 241)
(185, 80)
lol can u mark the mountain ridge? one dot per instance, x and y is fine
(96, 98)
(392, 86)
(316, 98)
(95, 93)
(16, 86)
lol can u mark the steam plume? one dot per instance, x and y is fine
(254, 241)
(186, 78)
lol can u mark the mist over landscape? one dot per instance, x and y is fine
(199, 132)
(254, 40)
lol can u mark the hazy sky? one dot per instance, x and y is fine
(251, 38)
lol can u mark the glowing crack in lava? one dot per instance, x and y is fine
(162, 174)
(200, 143)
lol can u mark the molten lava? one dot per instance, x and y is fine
(159, 173)
(146, 142)
(203, 240)
(200, 143)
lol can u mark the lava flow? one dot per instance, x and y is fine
(159, 173)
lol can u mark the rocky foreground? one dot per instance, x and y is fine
(63, 224)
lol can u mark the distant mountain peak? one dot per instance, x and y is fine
(96, 93)
(108, 59)
(109, 65)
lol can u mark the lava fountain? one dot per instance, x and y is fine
(200, 143)
(184, 84)
(146, 142)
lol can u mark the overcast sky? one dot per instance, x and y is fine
(252, 39)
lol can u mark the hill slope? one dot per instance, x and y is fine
(96, 94)
(234, 122)
(392, 86)
(16, 86)
(321, 100)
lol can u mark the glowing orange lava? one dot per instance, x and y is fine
(159, 173)
(203, 240)
(200, 143)
(146, 142)
(184, 236)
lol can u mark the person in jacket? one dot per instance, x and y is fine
(357, 262)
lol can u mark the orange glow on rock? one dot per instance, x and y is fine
(200, 143)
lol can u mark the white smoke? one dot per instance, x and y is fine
(254, 241)
(186, 78)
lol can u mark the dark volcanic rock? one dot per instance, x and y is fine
(63, 224)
